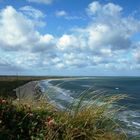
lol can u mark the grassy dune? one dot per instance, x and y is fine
(20, 120)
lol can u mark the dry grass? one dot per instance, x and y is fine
(42, 121)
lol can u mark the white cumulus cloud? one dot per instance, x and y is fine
(109, 9)
(105, 42)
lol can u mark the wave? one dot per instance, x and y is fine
(131, 120)
(56, 95)
(87, 86)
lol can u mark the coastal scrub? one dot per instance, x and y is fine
(20, 120)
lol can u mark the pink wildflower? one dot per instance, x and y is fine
(50, 122)
(30, 114)
(3, 101)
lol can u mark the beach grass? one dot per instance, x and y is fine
(40, 120)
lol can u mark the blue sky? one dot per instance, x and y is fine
(64, 37)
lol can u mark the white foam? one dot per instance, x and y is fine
(131, 120)
(87, 86)
(57, 93)
(136, 123)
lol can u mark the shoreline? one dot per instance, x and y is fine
(33, 88)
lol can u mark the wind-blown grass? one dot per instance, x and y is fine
(42, 121)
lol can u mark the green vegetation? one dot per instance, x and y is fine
(9, 83)
(39, 120)
(20, 120)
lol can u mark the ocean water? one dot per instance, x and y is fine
(63, 92)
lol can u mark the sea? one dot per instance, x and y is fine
(62, 93)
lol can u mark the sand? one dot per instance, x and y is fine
(29, 91)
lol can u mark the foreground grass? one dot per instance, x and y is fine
(20, 120)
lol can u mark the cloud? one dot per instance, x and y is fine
(61, 13)
(7, 65)
(109, 28)
(136, 53)
(41, 1)
(110, 9)
(93, 8)
(65, 15)
(32, 12)
(20, 39)
(46, 43)
(106, 42)
(17, 28)
(66, 42)
(21, 31)
(137, 56)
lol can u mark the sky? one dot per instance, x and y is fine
(70, 37)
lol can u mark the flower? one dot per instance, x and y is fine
(30, 114)
(3, 101)
(50, 122)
